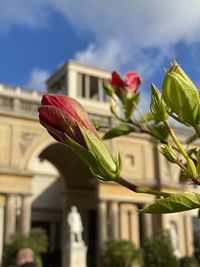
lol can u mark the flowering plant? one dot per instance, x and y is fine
(67, 121)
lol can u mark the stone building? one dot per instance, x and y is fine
(41, 179)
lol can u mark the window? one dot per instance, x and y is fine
(129, 160)
(91, 87)
(59, 87)
(94, 86)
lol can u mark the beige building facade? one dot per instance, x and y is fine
(40, 179)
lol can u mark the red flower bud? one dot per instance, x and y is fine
(128, 86)
(62, 115)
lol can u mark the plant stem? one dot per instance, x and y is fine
(139, 189)
(175, 139)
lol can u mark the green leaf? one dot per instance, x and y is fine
(122, 129)
(192, 152)
(198, 162)
(175, 203)
(146, 117)
(158, 131)
(191, 139)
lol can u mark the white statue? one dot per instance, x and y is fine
(75, 225)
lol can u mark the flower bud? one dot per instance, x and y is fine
(168, 152)
(127, 87)
(62, 115)
(191, 168)
(158, 106)
(180, 94)
(68, 122)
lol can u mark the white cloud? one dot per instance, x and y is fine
(123, 30)
(114, 54)
(32, 13)
(150, 23)
(110, 55)
(37, 79)
(142, 23)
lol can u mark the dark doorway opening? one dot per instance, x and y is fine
(92, 239)
(51, 258)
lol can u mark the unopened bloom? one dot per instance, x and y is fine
(128, 86)
(181, 95)
(68, 122)
(62, 115)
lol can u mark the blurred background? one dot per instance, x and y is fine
(71, 47)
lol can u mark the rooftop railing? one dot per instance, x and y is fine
(25, 103)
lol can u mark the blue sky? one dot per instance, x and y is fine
(37, 36)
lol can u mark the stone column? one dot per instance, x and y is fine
(25, 220)
(1, 226)
(72, 80)
(10, 217)
(114, 216)
(129, 223)
(146, 226)
(100, 90)
(87, 86)
(102, 221)
(65, 231)
(188, 234)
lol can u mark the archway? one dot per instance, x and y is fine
(61, 180)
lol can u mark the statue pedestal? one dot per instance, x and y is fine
(77, 254)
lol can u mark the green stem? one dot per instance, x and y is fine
(175, 139)
(139, 189)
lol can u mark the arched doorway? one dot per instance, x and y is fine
(61, 180)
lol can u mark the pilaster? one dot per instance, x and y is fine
(25, 220)
(10, 217)
(114, 216)
(103, 221)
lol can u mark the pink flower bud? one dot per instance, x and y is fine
(128, 86)
(62, 115)
(133, 81)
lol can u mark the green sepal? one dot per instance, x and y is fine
(158, 106)
(104, 160)
(192, 170)
(130, 104)
(82, 152)
(176, 68)
(118, 161)
(174, 203)
(108, 88)
(122, 129)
